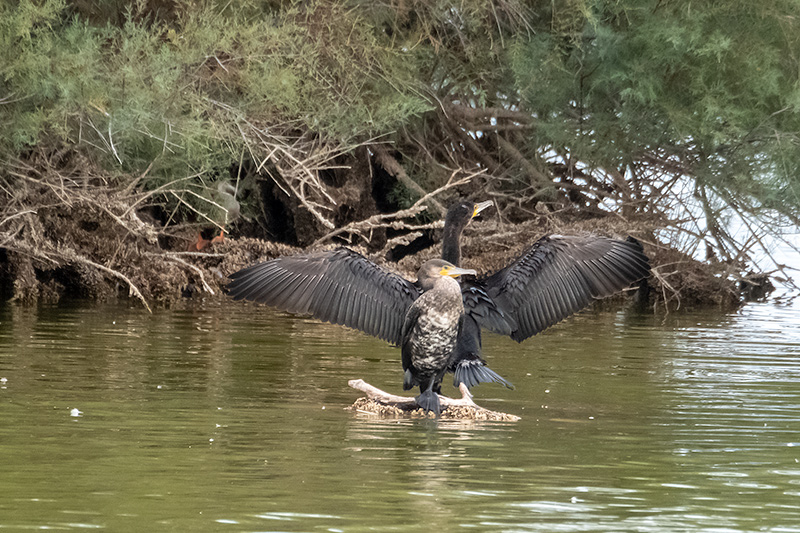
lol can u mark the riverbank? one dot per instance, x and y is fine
(122, 123)
(87, 237)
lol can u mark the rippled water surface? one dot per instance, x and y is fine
(232, 418)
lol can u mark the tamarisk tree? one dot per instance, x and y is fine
(681, 114)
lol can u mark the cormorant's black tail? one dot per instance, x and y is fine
(470, 372)
(429, 401)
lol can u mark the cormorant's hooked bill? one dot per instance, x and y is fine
(480, 206)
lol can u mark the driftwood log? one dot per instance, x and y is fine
(384, 404)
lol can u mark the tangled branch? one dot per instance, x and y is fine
(394, 220)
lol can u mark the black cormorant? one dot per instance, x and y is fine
(344, 287)
(553, 279)
(458, 216)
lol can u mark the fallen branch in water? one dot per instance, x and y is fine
(132, 288)
(68, 255)
(173, 257)
(385, 404)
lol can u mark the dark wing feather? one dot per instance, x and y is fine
(338, 286)
(559, 276)
(409, 321)
(480, 306)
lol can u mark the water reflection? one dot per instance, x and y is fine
(233, 417)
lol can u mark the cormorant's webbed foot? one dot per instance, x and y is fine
(429, 401)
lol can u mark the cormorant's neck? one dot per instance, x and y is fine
(448, 286)
(451, 247)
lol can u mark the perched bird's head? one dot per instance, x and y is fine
(461, 213)
(432, 270)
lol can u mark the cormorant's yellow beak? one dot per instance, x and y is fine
(481, 206)
(454, 271)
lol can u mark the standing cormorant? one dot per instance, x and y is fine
(430, 329)
(466, 363)
(343, 287)
(553, 279)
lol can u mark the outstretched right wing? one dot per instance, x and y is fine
(338, 286)
(560, 275)
(482, 309)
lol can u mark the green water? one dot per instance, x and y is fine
(232, 418)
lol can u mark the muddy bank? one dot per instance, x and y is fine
(69, 230)
(104, 243)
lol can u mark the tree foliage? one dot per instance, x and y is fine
(680, 112)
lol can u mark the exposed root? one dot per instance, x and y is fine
(69, 256)
(193, 268)
(386, 405)
(133, 289)
(394, 220)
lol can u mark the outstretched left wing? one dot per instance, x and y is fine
(338, 286)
